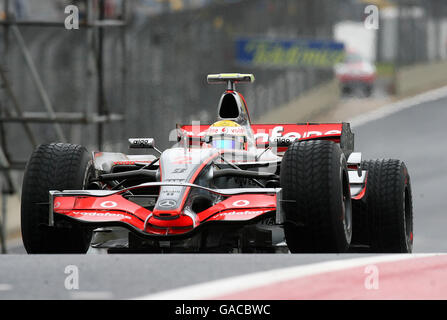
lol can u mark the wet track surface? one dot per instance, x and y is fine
(130, 276)
(415, 135)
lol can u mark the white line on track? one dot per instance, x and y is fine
(222, 287)
(392, 108)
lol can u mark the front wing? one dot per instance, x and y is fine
(100, 208)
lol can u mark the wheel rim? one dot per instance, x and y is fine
(407, 219)
(346, 206)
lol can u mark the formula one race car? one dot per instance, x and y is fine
(231, 186)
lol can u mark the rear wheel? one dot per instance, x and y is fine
(387, 215)
(316, 197)
(56, 166)
(368, 90)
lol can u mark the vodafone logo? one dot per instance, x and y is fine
(241, 203)
(108, 204)
(238, 213)
(101, 214)
(229, 130)
(57, 205)
(277, 133)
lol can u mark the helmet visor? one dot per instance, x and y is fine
(224, 144)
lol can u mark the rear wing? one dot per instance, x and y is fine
(284, 134)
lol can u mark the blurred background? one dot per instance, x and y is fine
(135, 68)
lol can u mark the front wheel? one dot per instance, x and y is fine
(316, 197)
(55, 166)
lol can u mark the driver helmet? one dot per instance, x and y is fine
(228, 135)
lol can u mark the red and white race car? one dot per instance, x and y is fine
(231, 186)
(356, 73)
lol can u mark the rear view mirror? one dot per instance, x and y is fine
(282, 142)
(141, 143)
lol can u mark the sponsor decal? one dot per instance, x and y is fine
(241, 203)
(256, 51)
(239, 213)
(275, 132)
(108, 204)
(170, 191)
(100, 214)
(57, 205)
(130, 162)
(226, 130)
(168, 203)
(277, 135)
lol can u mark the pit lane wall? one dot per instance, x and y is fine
(317, 100)
(323, 99)
(421, 77)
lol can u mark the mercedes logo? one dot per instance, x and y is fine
(167, 203)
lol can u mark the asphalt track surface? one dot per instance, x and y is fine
(415, 135)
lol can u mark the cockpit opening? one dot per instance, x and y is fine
(229, 108)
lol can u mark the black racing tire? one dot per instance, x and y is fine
(55, 166)
(385, 217)
(346, 90)
(368, 90)
(316, 197)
